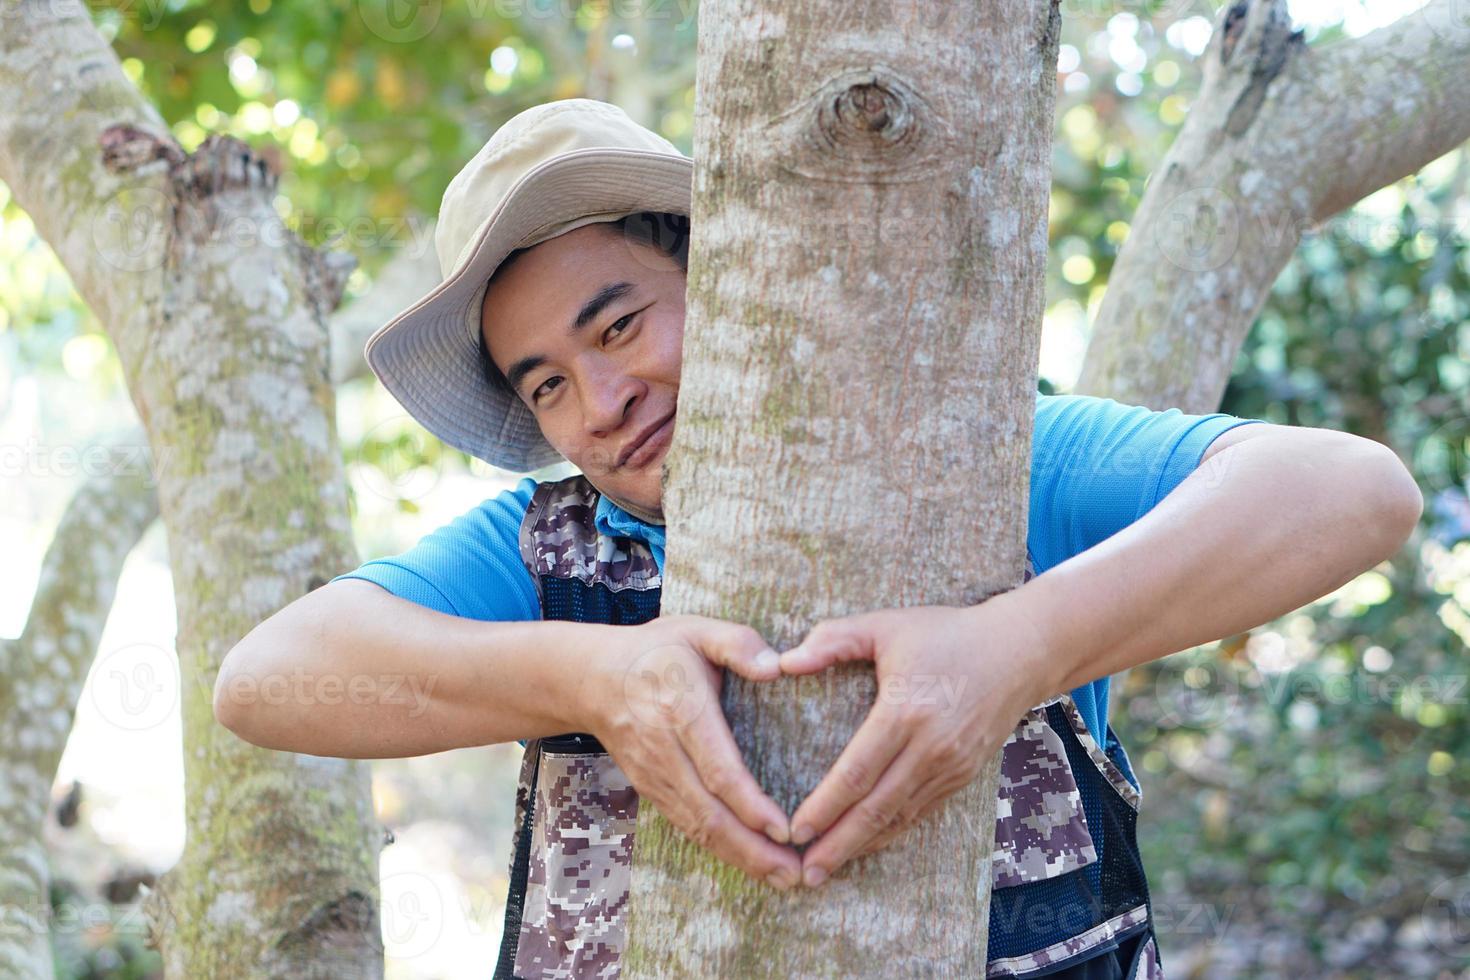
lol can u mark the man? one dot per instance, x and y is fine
(557, 334)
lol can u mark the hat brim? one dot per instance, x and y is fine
(428, 356)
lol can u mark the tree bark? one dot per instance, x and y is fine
(218, 314)
(41, 676)
(1281, 137)
(864, 307)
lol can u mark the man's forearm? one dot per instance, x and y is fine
(353, 671)
(1262, 528)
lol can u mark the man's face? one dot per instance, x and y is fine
(589, 329)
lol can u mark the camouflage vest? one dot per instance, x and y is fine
(1068, 882)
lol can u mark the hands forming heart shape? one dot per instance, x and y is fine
(952, 684)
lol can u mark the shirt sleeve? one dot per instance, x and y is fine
(1098, 465)
(470, 567)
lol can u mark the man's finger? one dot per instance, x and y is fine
(853, 776)
(926, 800)
(702, 818)
(886, 810)
(738, 648)
(710, 745)
(829, 642)
(878, 843)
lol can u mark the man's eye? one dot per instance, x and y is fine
(620, 324)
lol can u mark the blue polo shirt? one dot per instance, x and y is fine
(1096, 467)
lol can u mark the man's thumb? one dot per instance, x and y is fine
(828, 643)
(807, 657)
(748, 655)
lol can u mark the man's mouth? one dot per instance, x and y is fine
(647, 444)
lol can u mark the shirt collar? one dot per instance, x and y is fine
(613, 521)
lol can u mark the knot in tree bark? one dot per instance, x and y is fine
(223, 163)
(868, 105)
(868, 110)
(863, 125)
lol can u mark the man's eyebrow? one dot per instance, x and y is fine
(598, 302)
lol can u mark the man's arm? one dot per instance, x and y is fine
(353, 671)
(1271, 519)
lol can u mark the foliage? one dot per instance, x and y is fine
(93, 939)
(375, 103)
(1339, 739)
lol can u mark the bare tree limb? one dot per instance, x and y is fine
(44, 671)
(64, 86)
(1282, 137)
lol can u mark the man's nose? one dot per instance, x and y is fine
(606, 398)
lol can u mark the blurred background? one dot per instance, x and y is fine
(1306, 787)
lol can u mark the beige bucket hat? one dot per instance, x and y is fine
(546, 171)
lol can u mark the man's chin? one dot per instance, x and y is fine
(648, 495)
(642, 490)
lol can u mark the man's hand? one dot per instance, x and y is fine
(655, 703)
(952, 685)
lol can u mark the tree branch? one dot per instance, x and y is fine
(1282, 137)
(63, 87)
(44, 673)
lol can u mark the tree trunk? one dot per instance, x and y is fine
(1281, 137)
(219, 317)
(865, 299)
(41, 677)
